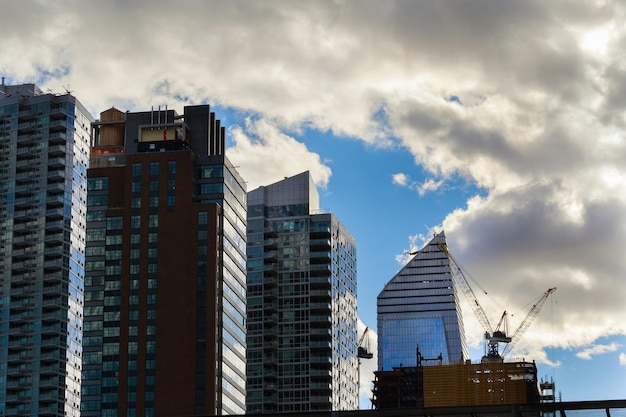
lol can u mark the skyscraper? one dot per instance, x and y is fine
(44, 153)
(419, 307)
(165, 298)
(302, 312)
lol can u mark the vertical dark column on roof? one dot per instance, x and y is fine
(198, 119)
(212, 131)
(222, 141)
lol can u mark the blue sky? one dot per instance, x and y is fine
(501, 122)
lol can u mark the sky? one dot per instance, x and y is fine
(500, 122)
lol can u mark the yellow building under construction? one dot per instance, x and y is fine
(453, 385)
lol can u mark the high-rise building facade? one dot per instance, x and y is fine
(165, 298)
(302, 303)
(419, 307)
(44, 154)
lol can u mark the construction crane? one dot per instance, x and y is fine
(364, 352)
(530, 317)
(498, 335)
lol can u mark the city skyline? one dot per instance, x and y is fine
(498, 122)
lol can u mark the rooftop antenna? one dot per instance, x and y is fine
(67, 89)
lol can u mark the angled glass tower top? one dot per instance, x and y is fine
(418, 308)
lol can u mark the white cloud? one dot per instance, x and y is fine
(400, 179)
(429, 185)
(622, 359)
(537, 123)
(404, 180)
(587, 353)
(265, 155)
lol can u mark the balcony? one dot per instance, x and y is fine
(24, 304)
(318, 270)
(58, 111)
(50, 329)
(320, 344)
(56, 163)
(56, 174)
(55, 213)
(54, 238)
(55, 200)
(320, 306)
(320, 293)
(269, 244)
(27, 176)
(319, 244)
(26, 139)
(58, 125)
(57, 138)
(56, 186)
(22, 356)
(25, 151)
(55, 226)
(28, 163)
(54, 355)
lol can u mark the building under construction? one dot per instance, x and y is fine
(490, 382)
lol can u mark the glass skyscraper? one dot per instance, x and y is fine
(302, 310)
(165, 300)
(44, 154)
(419, 307)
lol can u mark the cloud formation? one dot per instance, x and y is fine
(587, 353)
(525, 100)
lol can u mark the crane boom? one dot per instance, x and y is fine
(363, 351)
(530, 317)
(459, 278)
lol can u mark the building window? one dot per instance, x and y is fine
(136, 186)
(97, 200)
(154, 186)
(135, 202)
(154, 201)
(153, 220)
(154, 168)
(171, 201)
(96, 215)
(203, 217)
(113, 239)
(171, 167)
(135, 222)
(211, 171)
(95, 235)
(136, 169)
(114, 223)
(210, 188)
(113, 270)
(98, 183)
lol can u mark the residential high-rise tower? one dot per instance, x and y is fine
(419, 307)
(44, 154)
(165, 299)
(302, 306)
